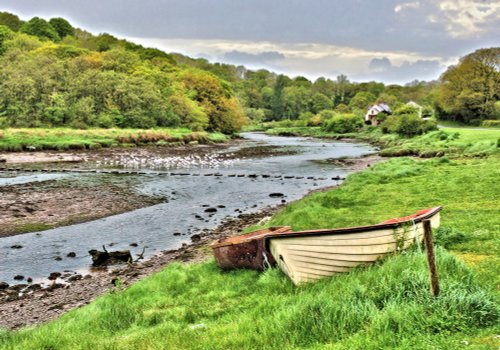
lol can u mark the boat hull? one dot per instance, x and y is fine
(311, 256)
(246, 251)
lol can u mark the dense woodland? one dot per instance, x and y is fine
(53, 74)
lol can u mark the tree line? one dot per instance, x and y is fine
(53, 74)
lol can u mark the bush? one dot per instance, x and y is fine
(326, 114)
(407, 125)
(315, 120)
(344, 123)
(491, 123)
(406, 109)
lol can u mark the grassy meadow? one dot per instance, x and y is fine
(20, 139)
(197, 306)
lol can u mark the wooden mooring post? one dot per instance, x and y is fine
(431, 258)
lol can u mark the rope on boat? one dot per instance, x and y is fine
(266, 263)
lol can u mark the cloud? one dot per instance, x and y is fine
(311, 60)
(406, 5)
(380, 64)
(467, 18)
(421, 69)
(240, 57)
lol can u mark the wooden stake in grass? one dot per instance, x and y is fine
(431, 258)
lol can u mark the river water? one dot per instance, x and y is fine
(229, 189)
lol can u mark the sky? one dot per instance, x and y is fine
(394, 41)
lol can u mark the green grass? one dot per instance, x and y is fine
(199, 307)
(73, 139)
(456, 142)
(385, 306)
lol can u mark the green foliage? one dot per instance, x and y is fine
(491, 123)
(344, 123)
(326, 114)
(320, 102)
(62, 27)
(448, 237)
(11, 21)
(5, 33)
(40, 28)
(405, 109)
(342, 108)
(407, 125)
(469, 90)
(65, 138)
(224, 113)
(362, 100)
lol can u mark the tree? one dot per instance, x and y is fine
(320, 102)
(5, 33)
(10, 20)
(40, 28)
(62, 27)
(362, 100)
(470, 89)
(277, 101)
(295, 101)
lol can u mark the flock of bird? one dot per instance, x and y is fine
(154, 162)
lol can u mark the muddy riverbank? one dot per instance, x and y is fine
(37, 206)
(41, 303)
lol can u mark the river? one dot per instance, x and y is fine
(232, 187)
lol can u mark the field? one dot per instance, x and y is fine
(385, 306)
(66, 138)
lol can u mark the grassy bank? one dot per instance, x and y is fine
(385, 306)
(455, 142)
(72, 139)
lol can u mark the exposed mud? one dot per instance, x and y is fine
(37, 206)
(354, 164)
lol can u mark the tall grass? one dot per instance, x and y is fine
(73, 139)
(200, 307)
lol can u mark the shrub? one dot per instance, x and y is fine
(344, 123)
(447, 237)
(490, 123)
(406, 109)
(326, 114)
(407, 125)
(315, 120)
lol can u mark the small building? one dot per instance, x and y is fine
(374, 111)
(416, 106)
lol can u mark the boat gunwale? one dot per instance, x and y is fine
(355, 229)
(278, 232)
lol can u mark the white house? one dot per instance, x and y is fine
(373, 111)
(416, 106)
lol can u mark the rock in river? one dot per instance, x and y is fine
(54, 275)
(276, 195)
(210, 210)
(104, 258)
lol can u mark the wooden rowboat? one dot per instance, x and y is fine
(309, 255)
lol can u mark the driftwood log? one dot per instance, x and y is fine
(102, 258)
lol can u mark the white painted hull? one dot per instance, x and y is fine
(311, 255)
